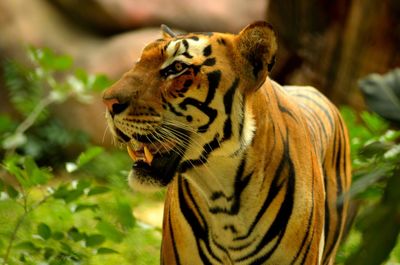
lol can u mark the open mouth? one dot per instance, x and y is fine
(154, 163)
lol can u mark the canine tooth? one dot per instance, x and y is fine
(132, 153)
(148, 155)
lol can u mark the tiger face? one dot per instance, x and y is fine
(183, 98)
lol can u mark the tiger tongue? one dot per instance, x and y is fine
(143, 154)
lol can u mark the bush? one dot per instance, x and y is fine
(376, 175)
(56, 209)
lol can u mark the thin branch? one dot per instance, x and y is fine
(21, 219)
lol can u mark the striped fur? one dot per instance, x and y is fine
(257, 172)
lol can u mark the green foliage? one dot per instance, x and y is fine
(376, 175)
(57, 208)
(31, 90)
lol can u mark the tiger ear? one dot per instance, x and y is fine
(167, 32)
(257, 44)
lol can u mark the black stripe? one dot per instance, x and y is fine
(303, 242)
(231, 228)
(187, 55)
(275, 188)
(339, 163)
(171, 231)
(207, 51)
(209, 62)
(241, 121)
(176, 51)
(282, 108)
(239, 185)
(280, 223)
(311, 118)
(122, 135)
(207, 148)
(228, 101)
(201, 233)
(194, 38)
(186, 44)
(186, 85)
(319, 105)
(307, 249)
(221, 41)
(287, 111)
(327, 214)
(213, 83)
(228, 97)
(168, 105)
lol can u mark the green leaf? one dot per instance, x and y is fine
(100, 83)
(13, 193)
(26, 171)
(23, 89)
(36, 175)
(13, 165)
(81, 207)
(61, 62)
(48, 253)
(88, 155)
(58, 235)
(365, 179)
(98, 190)
(382, 94)
(75, 235)
(110, 231)
(124, 214)
(106, 251)
(66, 194)
(73, 195)
(27, 246)
(44, 231)
(374, 149)
(81, 75)
(83, 184)
(374, 123)
(50, 61)
(391, 136)
(94, 240)
(393, 153)
(61, 192)
(6, 124)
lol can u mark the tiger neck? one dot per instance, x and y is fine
(226, 188)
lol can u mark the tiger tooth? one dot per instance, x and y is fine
(132, 153)
(148, 155)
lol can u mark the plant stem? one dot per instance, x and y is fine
(30, 120)
(32, 117)
(21, 219)
(13, 237)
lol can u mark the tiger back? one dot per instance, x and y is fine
(256, 173)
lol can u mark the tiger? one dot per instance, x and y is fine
(255, 172)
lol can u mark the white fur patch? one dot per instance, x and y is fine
(249, 127)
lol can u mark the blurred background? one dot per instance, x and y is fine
(63, 192)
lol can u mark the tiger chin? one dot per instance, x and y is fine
(256, 172)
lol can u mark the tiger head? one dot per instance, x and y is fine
(185, 100)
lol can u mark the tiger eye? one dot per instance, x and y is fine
(178, 67)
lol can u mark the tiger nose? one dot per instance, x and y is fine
(114, 106)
